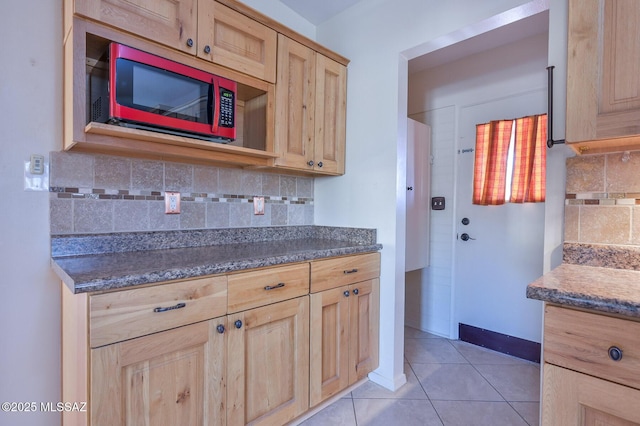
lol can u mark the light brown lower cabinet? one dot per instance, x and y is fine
(572, 398)
(343, 337)
(202, 352)
(591, 373)
(268, 364)
(175, 377)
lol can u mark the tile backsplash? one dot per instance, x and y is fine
(603, 199)
(102, 194)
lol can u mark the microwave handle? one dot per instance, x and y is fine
(215, 105)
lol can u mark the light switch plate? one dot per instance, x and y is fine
(36, 166)
(171, 202)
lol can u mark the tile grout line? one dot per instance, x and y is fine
(489, 382)
(425, 391)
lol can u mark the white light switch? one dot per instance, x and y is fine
(36, 166)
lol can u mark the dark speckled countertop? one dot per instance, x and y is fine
(601, 278)
(90, 263)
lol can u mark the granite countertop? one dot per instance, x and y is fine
(576, 283)
(90, 263)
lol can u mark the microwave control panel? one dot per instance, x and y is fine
(226, 108)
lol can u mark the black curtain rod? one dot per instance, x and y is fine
(550, 141)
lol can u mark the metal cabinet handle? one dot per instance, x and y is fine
(310, 163)
(615, 353)
(170, 308)
(190, 42)
(220, 328)
(356, 291)
(207, 49)
(351, 271)
(238, 324)
(320, 164)
(272, 287)
(346, 293)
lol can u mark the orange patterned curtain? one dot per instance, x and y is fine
(490, 170)
(528, 176)
(530, 158)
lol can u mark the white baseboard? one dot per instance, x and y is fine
(393, 384)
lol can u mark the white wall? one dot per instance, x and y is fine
(31, 123)
(280, 12)
(371, 193)
(556, 156)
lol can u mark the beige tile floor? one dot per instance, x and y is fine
(448, 383)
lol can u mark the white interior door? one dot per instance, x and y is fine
(418, 195)
(506, 245)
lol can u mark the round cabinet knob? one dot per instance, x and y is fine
(190, 42)
(310, 163)
(465, 237)
(207, 49)
(466, 221)
(238, 324)
(615, 353)
(220, 328)
(320, 164)
(356, 291)
(346, 293)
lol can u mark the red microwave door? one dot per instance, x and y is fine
(153, 91)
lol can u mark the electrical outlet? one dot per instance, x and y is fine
(258, 205)
(171, 202)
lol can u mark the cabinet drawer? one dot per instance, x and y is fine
(126, 314)
(581, 341)
(331, 273)
(257, 288)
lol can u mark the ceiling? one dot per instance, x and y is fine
(318, 11)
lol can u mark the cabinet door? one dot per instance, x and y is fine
(364, 314)
(329, 344)
(268, 363)
(170, 22)
(571, 398)
(603, 69)
(175, 377)
(331, 114)
(236, 41)
(295, 100)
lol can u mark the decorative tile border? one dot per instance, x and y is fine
(603, 199)
(123, 194)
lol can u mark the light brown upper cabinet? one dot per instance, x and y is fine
(603, 75)
(291, 97)
(236, 41)
(205, 28)
(311, 114)
(170, 22)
